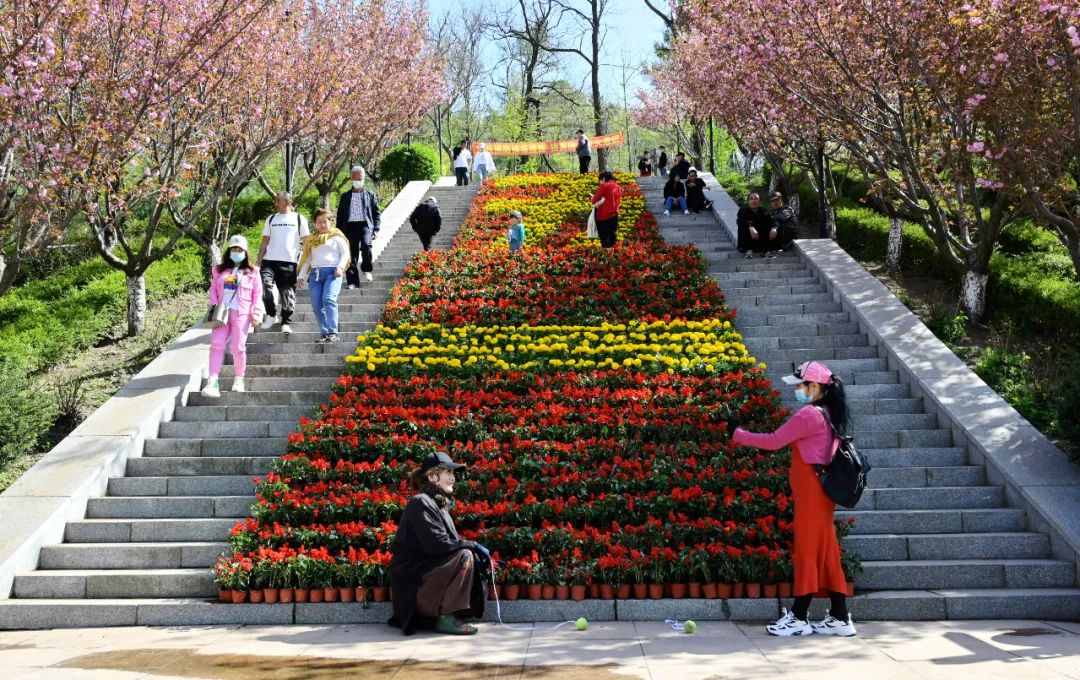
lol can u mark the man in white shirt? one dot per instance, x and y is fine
(462, 161)
(483, 163)
(282, 238)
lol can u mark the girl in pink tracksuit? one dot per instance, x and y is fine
(235, 282)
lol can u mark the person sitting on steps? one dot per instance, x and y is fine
(674, 192)
(787, 225)
(813, 447)
(695, 193)
(755, 228)
(236, 283)
(434, 574)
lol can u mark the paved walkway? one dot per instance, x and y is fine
(1012, 650)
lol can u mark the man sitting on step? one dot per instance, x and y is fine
(757, 231)
(787, 225)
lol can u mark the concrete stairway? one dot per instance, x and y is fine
(931, 531)
(149, 544)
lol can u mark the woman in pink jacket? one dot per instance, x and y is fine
(813, 447)
(236, 283)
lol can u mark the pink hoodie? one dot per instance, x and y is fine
(817, 444)
(249, 296)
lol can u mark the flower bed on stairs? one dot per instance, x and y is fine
(591, 394)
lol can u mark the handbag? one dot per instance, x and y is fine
(218, 315)
(846, 476)
(590, 230)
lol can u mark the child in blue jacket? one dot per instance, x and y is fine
(516, 233)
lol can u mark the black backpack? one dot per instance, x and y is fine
(845, 477)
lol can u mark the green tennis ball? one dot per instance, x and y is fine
(581, 623)
(690, 627)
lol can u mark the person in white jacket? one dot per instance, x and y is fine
(483, 163)
(322, 266)
(462, 163)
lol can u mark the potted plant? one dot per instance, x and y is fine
(225, 577)
(534, 580)
(283, 575)
(637, 571)
(785, 573)
(563, 580)
(578, 576)
(257, 581)
(852, 567)
(302, 578)
(658, 572)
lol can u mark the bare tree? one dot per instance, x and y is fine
(590, 19)
(456, 39)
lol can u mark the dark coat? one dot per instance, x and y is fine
(370, 211)
(681, 169)
(645, 166)
(426, 537)
(758, 219)
(786, 222)
(426, 219)
(695, 194)
(662, 163)
(675, 189)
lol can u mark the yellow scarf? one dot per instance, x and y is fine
(317, 239)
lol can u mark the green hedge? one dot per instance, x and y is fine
(864, 233)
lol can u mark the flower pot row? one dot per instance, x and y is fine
(315, 595)
(647, 591)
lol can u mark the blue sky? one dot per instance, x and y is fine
(632, 31)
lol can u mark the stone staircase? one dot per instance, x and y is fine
(144, 551)
(937, 540)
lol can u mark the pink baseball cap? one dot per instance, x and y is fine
(810, 371)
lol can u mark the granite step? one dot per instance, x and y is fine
(935, 521)
(161, 507)
(115, 583)
(220, 447)
(148, 530)
(946, 573)
(982, 546)
(74, 556)
(208, 467)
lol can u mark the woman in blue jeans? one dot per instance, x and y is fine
(322, 265)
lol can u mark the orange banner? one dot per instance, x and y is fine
(561, 146)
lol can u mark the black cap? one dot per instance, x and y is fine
(580, 131)
(776, 196)
(439, 459)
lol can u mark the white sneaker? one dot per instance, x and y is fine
(667, 213)
(368, 276)
(269, 322)
(834, 626)
(238, 385)
(353, 286)
(286, 328)
(772, 254)
(212, 389)
(749, 256)
(685, 212)
(789, 625)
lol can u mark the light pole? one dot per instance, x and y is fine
(823, 227)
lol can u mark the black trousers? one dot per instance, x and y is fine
(583, 164)
(608, 231)
(426, 234)
(462, 176)
(282, 276)
(360, 237)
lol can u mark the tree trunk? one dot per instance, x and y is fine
(830, 220)
(136, 305)
(8, 271)
(795, 204)
(973, 294)
(896, 239)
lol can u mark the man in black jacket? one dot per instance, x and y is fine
(661, 163)
(787, 225)
(359, 217)
(681, 169)
(756, 228)
(435, 575)
(426, 221)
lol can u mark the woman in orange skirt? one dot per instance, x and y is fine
(813, 446)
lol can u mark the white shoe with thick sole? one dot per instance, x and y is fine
(789, 625)
(286, 328)
(238, 385)
(269, 322)
(831, 625)
(685, 212)
(212, 389)
(368, 276)
(667, 213)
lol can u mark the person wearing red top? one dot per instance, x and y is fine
(606, 201)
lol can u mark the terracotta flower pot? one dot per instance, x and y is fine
(739, 591)
(678, 591)
(641, 591)
(693, 591)
(330, 594)
(315, 595)
(577, 593)
(724, 590)
(347, 594)
(656, 591)
(255, 596)
(709, 591)
(535, 591)
(753, 590)
(851, 589)
(492, 593)
(607, 591)
(224, 595)
(239, 596)
(783, 590)
(285, 595)
(594, 591)
(510, 592)
(270, 595)
(381, 594)
(547, 591)
(302, 594)
(562, 592)
(769, 590)
(360, 593)
(623, 591)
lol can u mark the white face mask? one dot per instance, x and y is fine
(358, 184)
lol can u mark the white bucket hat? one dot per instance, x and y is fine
(238, 241)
